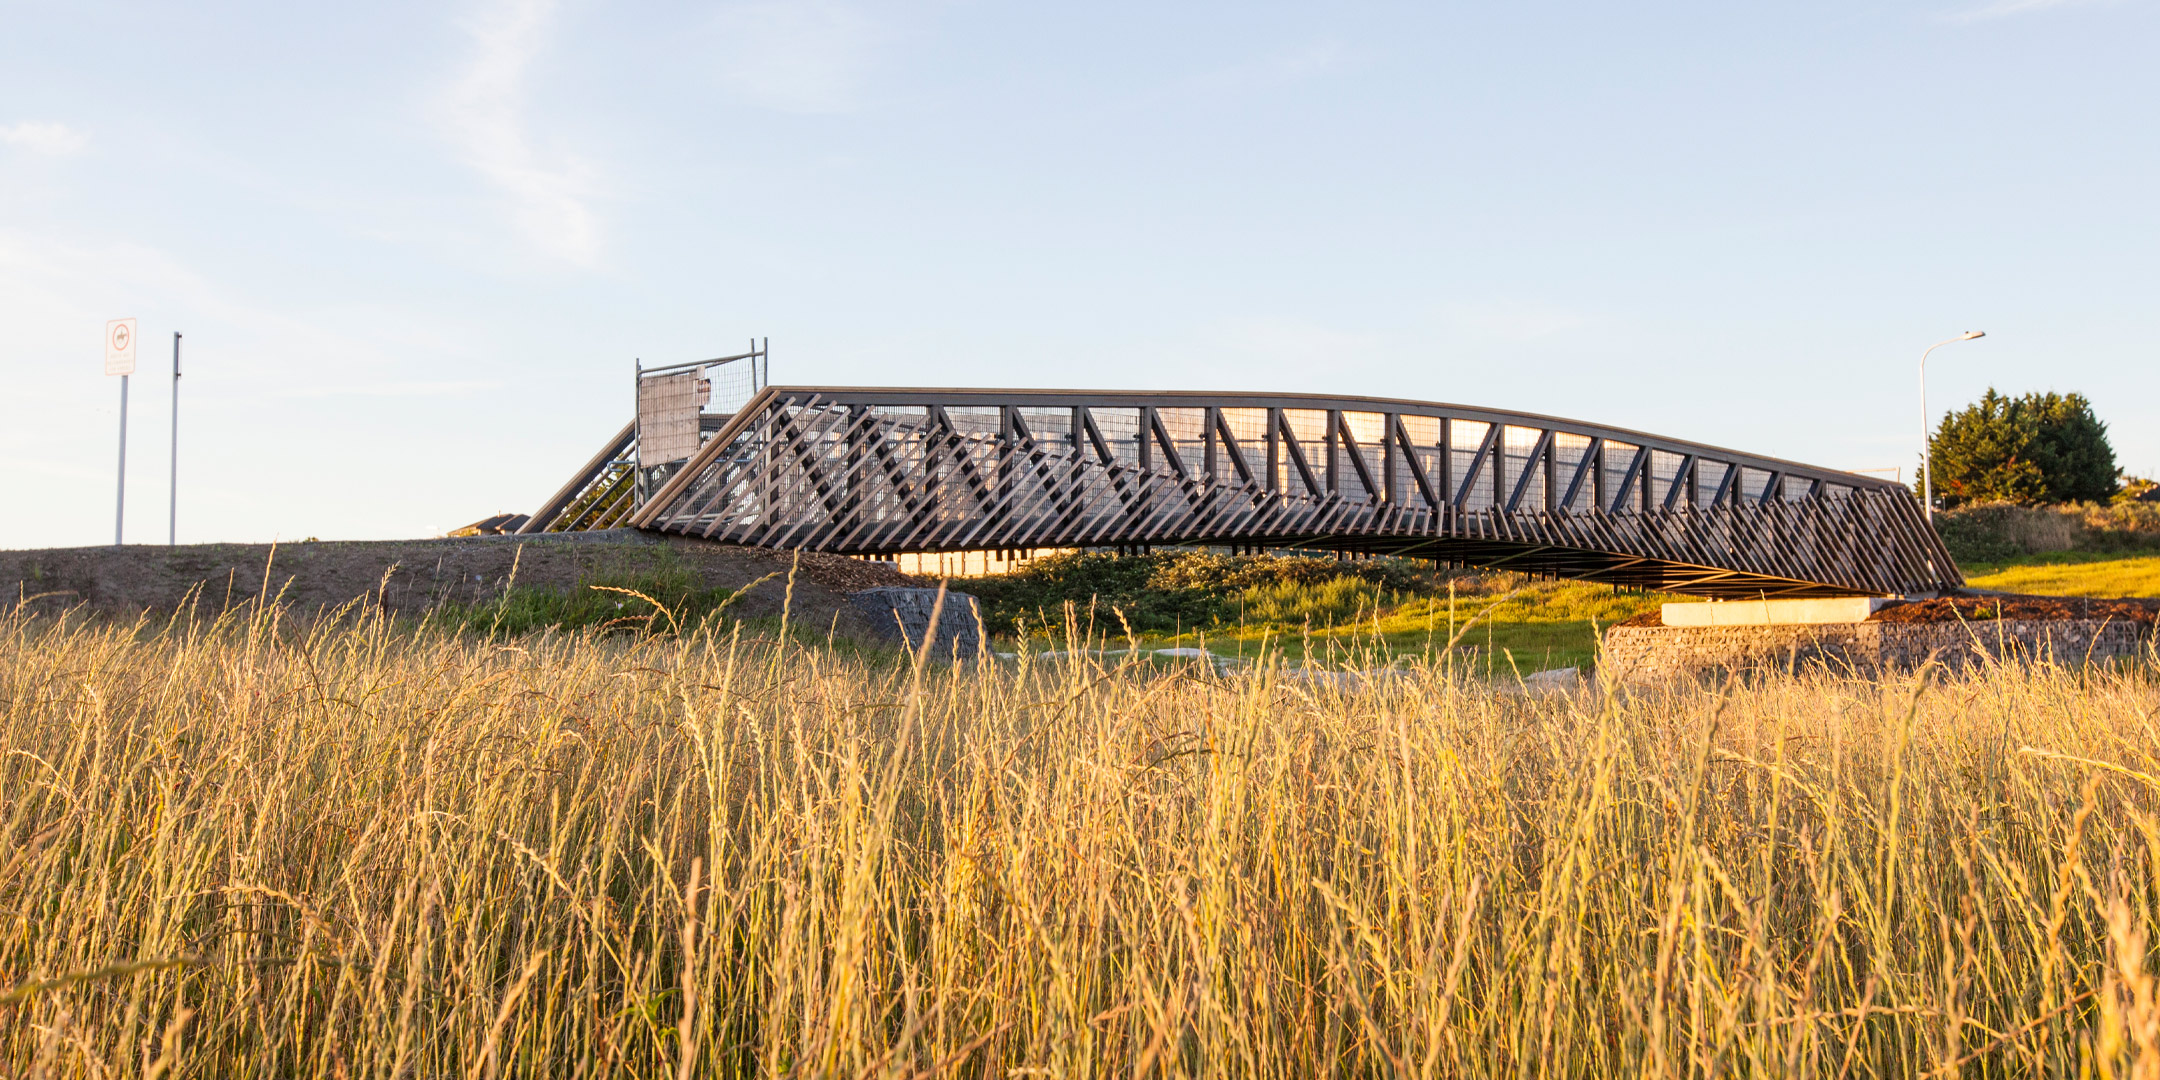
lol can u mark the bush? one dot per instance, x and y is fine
(1996, 532)
(1329, 603)
(2030, 450)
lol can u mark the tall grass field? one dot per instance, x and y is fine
(359, 849)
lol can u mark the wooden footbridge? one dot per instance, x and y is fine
(880, 471)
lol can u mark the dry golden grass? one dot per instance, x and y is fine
(250, 850)
(2082, 577)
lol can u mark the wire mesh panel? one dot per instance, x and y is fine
(1247, 426)
(733, 383)
(1365, 427)
(1364, 452)
(1186, 429)
(1709, 480)
(1469, 455)
(1424, 466)
(1571, 454)
(883, 471)
(1754, 483)
(1308, 425)
(1120, 432)
(1666, 473)
(1523, 483)
(1048, 426)
(1622, 473)
(975, 419)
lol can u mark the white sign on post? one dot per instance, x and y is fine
(120, 347)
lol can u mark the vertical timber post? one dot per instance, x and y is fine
(1597, 476)
(1446, 478)
(1335, 443)
(1274, 450)
(1390, 427)
(1208, 422)
(1499, 466)
(1552, 470)
(1008, 444)
(1146, 450)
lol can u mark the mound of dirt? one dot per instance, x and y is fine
(408, 577)
(2025, 608)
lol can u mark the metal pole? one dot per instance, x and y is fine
(120, 507)
(637, 435)
(1927, 478)
(172, 524)
(1927, 456)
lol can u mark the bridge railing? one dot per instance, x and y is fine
(880, 470)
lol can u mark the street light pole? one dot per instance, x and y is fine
(172, 516)
(1927, 473)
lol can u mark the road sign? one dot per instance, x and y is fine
(120, 347)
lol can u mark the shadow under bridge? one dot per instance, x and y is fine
(875, 471)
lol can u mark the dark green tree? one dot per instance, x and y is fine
(2035, 449)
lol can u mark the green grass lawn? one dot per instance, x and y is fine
(2070, 573)
(1543, 625)
(1555, 624)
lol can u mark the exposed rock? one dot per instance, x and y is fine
(904, 616)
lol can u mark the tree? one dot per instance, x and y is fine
(2039, 448)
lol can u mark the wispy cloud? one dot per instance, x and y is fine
(484, 113)
(51, 140)
(2003, 9)
(796, 55)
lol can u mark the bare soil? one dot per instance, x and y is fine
(410, 577)
(2026, 608)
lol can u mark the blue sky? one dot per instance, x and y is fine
(416, 247)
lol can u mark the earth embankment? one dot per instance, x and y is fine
(413, 577)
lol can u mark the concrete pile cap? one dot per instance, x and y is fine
(1837, 609)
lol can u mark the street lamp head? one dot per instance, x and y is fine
(1971, 334)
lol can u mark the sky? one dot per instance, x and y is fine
(417, 249)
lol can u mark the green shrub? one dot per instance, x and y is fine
(1998, 532)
